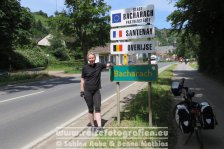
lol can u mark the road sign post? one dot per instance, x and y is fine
(118, 103)
(149, 94)
(118, 96)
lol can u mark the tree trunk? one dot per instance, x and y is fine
(84, 52)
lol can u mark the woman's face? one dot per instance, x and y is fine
(91, 59)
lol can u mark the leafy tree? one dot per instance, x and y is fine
(164, 37)
(203, 18)
(24, 29)
(87, 22)
(38, 30)
(41, 13)
(15, 22)
(187, 47)
(58, 48)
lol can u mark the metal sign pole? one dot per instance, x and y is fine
(118, 95)
(149, 94)
(118, 104)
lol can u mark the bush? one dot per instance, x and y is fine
(29, 58)
(18, 61)
(61, 54)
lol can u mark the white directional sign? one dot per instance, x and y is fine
(132, 47)
(132, 16)
(136, 32)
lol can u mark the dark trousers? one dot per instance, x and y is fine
(93, 100)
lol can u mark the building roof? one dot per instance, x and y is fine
(101, 50)
(45, 41)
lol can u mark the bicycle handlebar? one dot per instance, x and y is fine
(182, 83)
(178, 87)
(188, 94)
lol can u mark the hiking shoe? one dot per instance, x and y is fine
(93, 129)
(100, 130)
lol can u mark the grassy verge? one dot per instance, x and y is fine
(194, 65)
(22, 77)
(69, 67)
(66, 69)
(136, 115)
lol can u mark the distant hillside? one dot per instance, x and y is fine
(42, 19)
(40, 28)
(164, 37)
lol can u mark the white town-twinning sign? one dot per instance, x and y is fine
(132, 16)
(135, 32)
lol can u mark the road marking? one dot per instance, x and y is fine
(50, 133)
(20, 97)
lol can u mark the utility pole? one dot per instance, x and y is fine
(56, 5)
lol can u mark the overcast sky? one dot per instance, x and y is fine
(162, 7)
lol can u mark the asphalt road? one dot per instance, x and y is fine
(27, 111)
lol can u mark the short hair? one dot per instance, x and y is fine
(91, 53)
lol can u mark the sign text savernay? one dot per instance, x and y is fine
(132, 16)
(132, 47)
(135, 32)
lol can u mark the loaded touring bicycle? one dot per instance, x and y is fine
(190, 116)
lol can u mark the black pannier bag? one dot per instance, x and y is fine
(183, 118)
(208, 118)
(175, 88)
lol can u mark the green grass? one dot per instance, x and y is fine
(22, 77)
(194, 65)
(69, 67)
(136, 113)
(66, 69)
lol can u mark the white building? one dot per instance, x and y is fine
(46, 41)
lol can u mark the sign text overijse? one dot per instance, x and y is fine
(132, 47)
